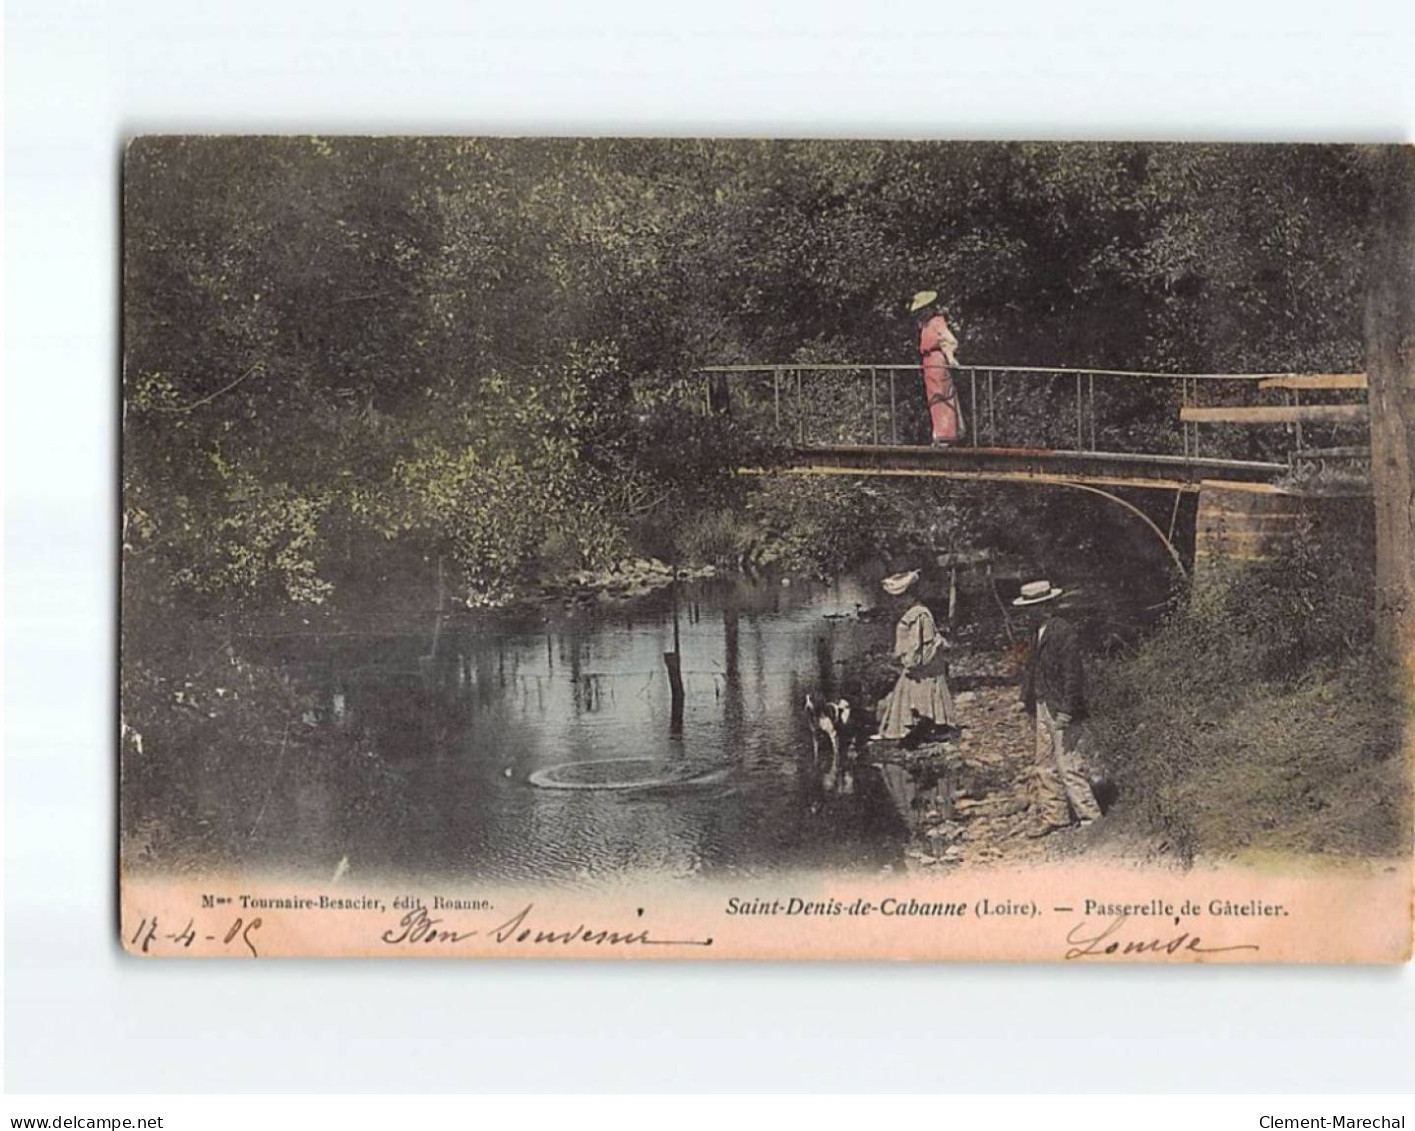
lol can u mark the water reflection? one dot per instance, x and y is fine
(458, 716)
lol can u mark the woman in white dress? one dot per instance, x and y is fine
(921, 691)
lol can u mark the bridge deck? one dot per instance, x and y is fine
(1101, 469)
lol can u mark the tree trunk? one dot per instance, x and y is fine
(1390, 366)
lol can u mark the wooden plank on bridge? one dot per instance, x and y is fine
(1087, 478)
(1006, 465)
(1316, 381)
(1277, 414)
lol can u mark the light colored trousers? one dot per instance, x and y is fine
(1062, 784)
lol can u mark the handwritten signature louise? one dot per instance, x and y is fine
(1085, 941)
(417, 926)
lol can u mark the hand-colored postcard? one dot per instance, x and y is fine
(704, 549)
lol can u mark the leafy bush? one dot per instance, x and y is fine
(718, 536)
(1257, 717)
(237, 538)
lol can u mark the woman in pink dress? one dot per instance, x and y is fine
(937, 348)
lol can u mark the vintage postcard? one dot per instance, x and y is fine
(705, 549)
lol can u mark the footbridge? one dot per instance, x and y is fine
(1247, 443)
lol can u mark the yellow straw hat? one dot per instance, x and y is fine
(921, 300)
(1035, 592)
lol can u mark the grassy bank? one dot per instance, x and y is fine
(1258, 719)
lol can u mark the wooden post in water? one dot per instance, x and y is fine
(675, 686)
(674, 662)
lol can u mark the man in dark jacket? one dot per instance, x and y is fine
(1054, 690)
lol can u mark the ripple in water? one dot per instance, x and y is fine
(625, 773)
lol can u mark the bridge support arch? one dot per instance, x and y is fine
(1142, 516)
(1239, 520)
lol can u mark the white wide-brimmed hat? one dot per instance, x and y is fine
(921, 300)
(897, 583)
(1035, 592)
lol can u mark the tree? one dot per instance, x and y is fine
(325, 338)
(1390, 367)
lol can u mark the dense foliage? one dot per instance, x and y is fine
(483, 349)
(1258, 718)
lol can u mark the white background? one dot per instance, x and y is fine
(82, 76)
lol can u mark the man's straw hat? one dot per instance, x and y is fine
(921, 300)
(898, 583)
(1035, 592)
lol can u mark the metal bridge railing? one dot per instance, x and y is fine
(810, 404)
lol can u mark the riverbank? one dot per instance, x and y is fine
(1319, 780)
(1254, 724)
(623, 580)
(993, 766)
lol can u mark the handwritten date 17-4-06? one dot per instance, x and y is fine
(150, 935)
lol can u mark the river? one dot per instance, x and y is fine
(541, 746)
(485, 730)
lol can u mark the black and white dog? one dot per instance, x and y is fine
(837, 733)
